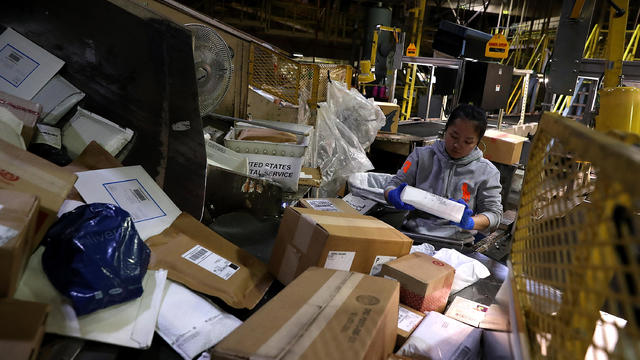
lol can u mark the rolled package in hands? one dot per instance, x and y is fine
(433, 204)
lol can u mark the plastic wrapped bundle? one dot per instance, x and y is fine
(347, 124)
(95, 257)
(360, 115)
(339, 153)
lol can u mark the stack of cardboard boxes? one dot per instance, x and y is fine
(31, 193)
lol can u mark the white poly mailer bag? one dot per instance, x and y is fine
(468, 270)
(190, 323)
(433, 204)
(439, 337)
(423, 248)
(57, 97)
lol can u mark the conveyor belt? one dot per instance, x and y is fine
(421, 128)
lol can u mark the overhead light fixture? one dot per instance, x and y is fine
(297, 55)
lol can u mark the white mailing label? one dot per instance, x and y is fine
(339, 260)
(377, 264)
(133, 197)
(407, 320)
(323, 205)
(15, 66)
(211, 262)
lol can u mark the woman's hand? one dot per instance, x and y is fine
(467, 221)
(393, 197)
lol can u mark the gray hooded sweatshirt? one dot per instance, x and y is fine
(472, 178)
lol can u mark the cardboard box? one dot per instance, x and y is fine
(23, 328)
(323, 314)
(204, 261)
(332, 240)
(13, 108)
(328, 204)
(392, 114)
(502, 147)
(523, 130)
(408, 320)
(17, 226)
(425, 282)
(23, 171)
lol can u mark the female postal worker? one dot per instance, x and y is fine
(455, 169)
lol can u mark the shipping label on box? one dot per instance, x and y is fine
(361, 204)
(328, 204)
(334, 240)
(282, 169)
(323, 314)
(408, 320)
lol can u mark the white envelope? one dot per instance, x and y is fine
(86, 126)
(24, 66)
(190, 323)
(128, 324)
(57, 97)
(134, 190)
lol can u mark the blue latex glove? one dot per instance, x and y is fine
(466, 222)
(394, 198)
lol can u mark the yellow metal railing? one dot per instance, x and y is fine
(416, 38)
(630, 51)
(590, 45)
(533, 60)
(593, 50)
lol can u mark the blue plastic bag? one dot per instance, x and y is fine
(95, 257)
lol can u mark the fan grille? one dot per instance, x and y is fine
(213, 64)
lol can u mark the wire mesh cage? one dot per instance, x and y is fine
(576, 250)
(340, 73)
(281, 76)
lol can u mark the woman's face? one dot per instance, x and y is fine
(460, 138)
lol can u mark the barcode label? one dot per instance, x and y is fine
(322, 205)
(211, 261)
(14, 57)
(138, 193)
(133, 197)
(195, 257)
(15, 66)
